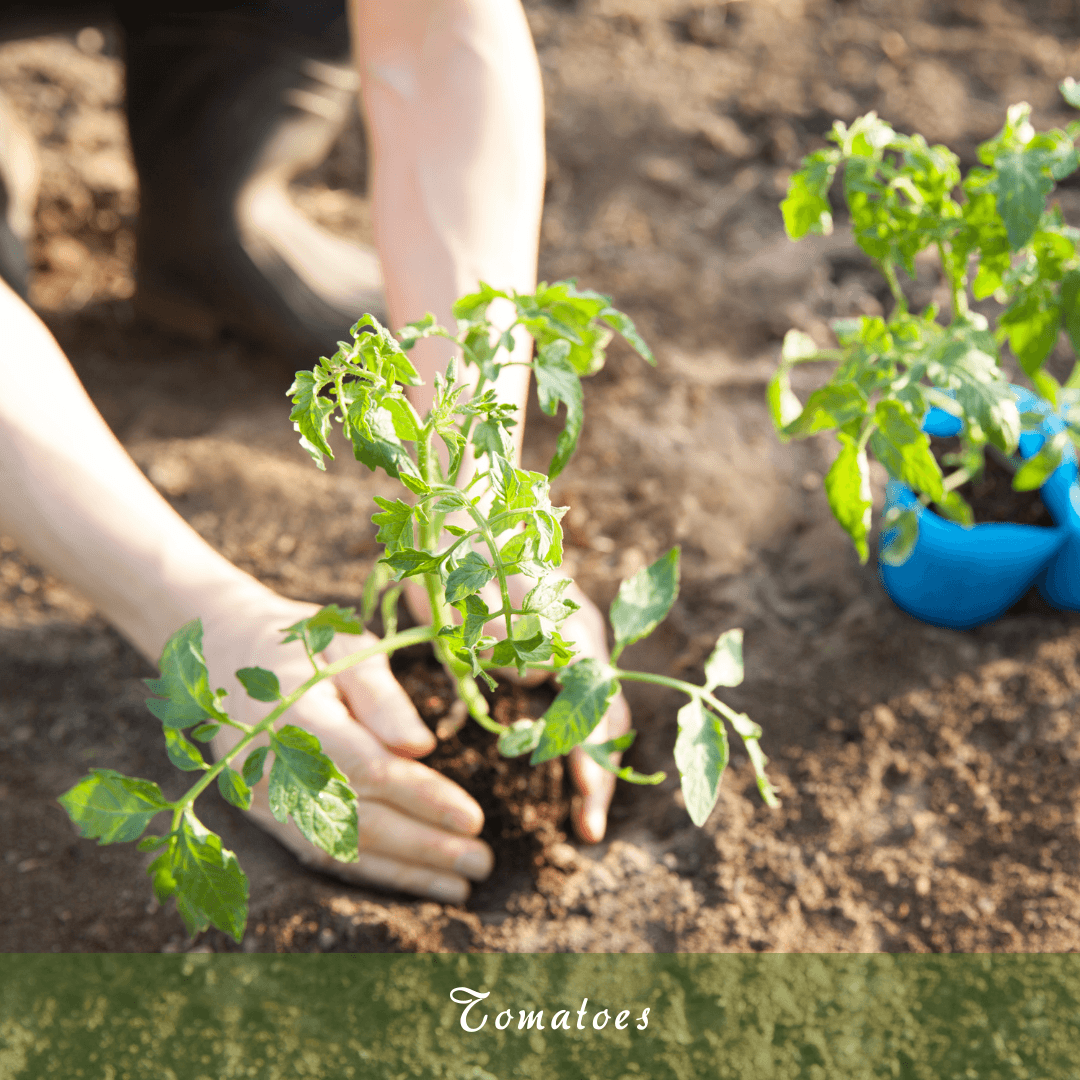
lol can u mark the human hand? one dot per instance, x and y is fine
(585, 630)
(417, 829)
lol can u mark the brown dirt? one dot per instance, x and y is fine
(929, 778)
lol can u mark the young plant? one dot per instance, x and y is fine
(903, 197)
(504, 525)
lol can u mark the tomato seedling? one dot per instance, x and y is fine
(903, 197)
(506, 526)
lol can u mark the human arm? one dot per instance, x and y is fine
(76, 503)
(452, 94)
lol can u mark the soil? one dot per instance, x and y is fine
(929, 779)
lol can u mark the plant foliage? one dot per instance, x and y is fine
(994, 235)
(463, 532)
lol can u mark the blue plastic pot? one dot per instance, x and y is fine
(962, 577)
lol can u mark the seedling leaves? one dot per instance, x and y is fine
(601, 754)
(112, 808)
(318, 630)
(307, 785)
(645, 599)
(520, 737)
(472, 573)
(587, 688)
(183, 754)
(725, 666)
(210, 887)
(701, 754)
(184, 684)
(847, 485)
(234, 788)
(253, 765)
(260, 684)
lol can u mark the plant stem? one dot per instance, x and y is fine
(387, 645)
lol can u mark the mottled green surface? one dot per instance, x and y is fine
(745, 1017)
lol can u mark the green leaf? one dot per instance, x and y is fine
(546, 599)
(601, 754)
(955, 507)
(725, 666)
(847, 485)
(784, 406)
(1070, 306)
(161, 875)
(184, 683)
(557, 381)
(306, 785)
(1021, 186)
(587, 688)
(311, 415)
(234, 788)
(903, 448)
(112, 808)
(626, 327)
(468, 577)
(520, 737)
(205, 732)
(151, 843)
(260, 684)
(645, 599)
(1032, 324)
(183, 754)
(903, 525)
(395, 525)
(1039, 468)
(828, 407)
(209, 881)
(806, 208)
(253, 765)
(528, 645)
(375, 443)
(701, 755)
(318, 630)
(408, 562)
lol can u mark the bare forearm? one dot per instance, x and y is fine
(453, 99)
(75, 501)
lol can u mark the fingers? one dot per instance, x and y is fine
(378, 700)
(375, 867)
(594, 784)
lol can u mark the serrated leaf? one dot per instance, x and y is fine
(903, 448)
(701, 755)
(376, 444)
(234, 789)
(395, 525)
(306, 785)
(408, 562)
(1032, 324)
(827, 408)
(784, 406)
(625, 326)
(311, 415)
(725, 665)
(1039, 468)
(645, 599)
(471, 574)
(546, 599)
(184, 684)
(476, 618)
(260, 684)
(183, 754)
(587, 689)
(520, 737)
(318, 630)
(1020, 186)
(209, 881)
(806, 208)
(557, 381)
(253, 765)
(151, 843)
(847, 485)
(112, 808)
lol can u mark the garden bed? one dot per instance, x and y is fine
(929, 778)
